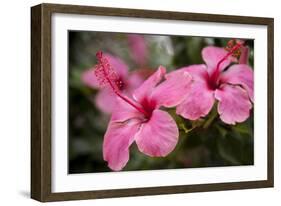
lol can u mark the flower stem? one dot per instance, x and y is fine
(211, 118)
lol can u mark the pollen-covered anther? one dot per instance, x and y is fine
(233, 47)
(105, 73)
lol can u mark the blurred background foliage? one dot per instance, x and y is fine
(207, 142)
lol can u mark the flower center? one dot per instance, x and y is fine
(106, 75)
(233, 47)
(148, 106)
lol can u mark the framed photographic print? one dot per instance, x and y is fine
(136, 102)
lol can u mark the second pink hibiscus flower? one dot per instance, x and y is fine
(232, 87)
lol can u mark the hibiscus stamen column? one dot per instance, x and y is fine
(232, 50)
(107, 76)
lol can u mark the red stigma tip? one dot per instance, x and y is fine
(99, 55)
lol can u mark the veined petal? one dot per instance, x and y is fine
(198, 72)
(117, 140)
(172, 91)
(124, 111)
(240, 74)
(212, 55)
(198, 101)
(146, 87)
(159, 136)
(234, 104)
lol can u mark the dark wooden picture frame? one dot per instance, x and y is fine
(41, 101)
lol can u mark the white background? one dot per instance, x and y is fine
(62, 182)
(15, 102)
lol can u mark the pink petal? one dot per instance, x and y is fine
(198, 101)
(138, 48)
(198, 72)
(212, 55)
(89, 78)
(234, 104)
(159, 136)
(135, 80)
(199, 98)
(244, 57)
(172, 91)
(146, 88)
(123, 111)
(118, 64)
(240, 74)
(106, 100)
(117, 140)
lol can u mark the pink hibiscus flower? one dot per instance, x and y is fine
(140, 119)
(105, 99)
(232, 87)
